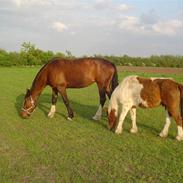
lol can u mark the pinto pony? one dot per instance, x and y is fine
(60, 74)
(135, 91)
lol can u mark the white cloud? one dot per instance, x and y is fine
(59, 26)
(130, 23)
(137, 24)
(20, 3)
(123, 7)
(168, 27)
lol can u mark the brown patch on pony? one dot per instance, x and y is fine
(166, 92)
(150, 92)
(112, 119)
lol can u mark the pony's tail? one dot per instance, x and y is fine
(114, 83)
(181, 101)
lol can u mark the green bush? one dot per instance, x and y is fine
(30, 55)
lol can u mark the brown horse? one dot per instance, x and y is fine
(60, 74)
(135, 91)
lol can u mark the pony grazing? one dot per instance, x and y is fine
(60, 74)
(135, 91)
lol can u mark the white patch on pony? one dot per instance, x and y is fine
(179, 136)
(98, 114)
(164, 132)
(154, 78)
(134, 128)
(52, 111)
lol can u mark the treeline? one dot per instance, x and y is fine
(29, 55)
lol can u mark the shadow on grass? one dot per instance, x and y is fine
(83, 110)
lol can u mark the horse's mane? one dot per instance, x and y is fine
(38, 74)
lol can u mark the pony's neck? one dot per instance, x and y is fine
(113, 104)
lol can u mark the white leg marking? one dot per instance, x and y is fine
(121, 119)
(52, 111)
(179, 137)
(164, 132)
(134, 128)
(68, 118)
(98, 114)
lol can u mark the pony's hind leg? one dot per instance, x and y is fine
(175, 113)
(122, 116)
(102, 94)
(62, 91)
(134, 128)
(164, 132)
(54, 101)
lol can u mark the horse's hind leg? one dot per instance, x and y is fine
(54, 101)
(102, 95)
(164, 132)
(62, 91)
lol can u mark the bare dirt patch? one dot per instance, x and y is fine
(156, 70)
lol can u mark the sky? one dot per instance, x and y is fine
(88, 27)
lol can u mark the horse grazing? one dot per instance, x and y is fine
(135, 91)
(60, 74)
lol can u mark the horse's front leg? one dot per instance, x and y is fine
(62, 91)
(54, 101)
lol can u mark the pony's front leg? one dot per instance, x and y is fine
(54, 101)
(164, 132)
(134, 128)
(122, 116)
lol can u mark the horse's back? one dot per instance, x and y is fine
(78, 72)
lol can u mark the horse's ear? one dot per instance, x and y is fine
(27, 92)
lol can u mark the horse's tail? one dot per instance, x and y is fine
(181, 101)
(114, 82)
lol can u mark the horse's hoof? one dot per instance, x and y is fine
(179, 138)
(96, 118)
(133, 130)
(68, 118)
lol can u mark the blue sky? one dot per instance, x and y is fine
(110, 27)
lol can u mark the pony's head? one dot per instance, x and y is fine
(28, 106)
(112, 118)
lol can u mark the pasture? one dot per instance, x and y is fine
(40, 149)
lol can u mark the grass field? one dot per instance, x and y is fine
(43, 150)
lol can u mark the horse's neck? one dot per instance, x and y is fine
(37, 87)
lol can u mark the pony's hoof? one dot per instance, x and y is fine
(163, 135)
(117, 131)
(133, 130)
(51, 115)
(179, 138)
(68, 118)
(96, 118)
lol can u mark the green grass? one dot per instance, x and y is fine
(56, 150)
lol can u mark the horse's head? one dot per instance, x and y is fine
(112, 118)
(28, 106)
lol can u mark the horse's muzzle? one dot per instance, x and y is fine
(24, 114)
